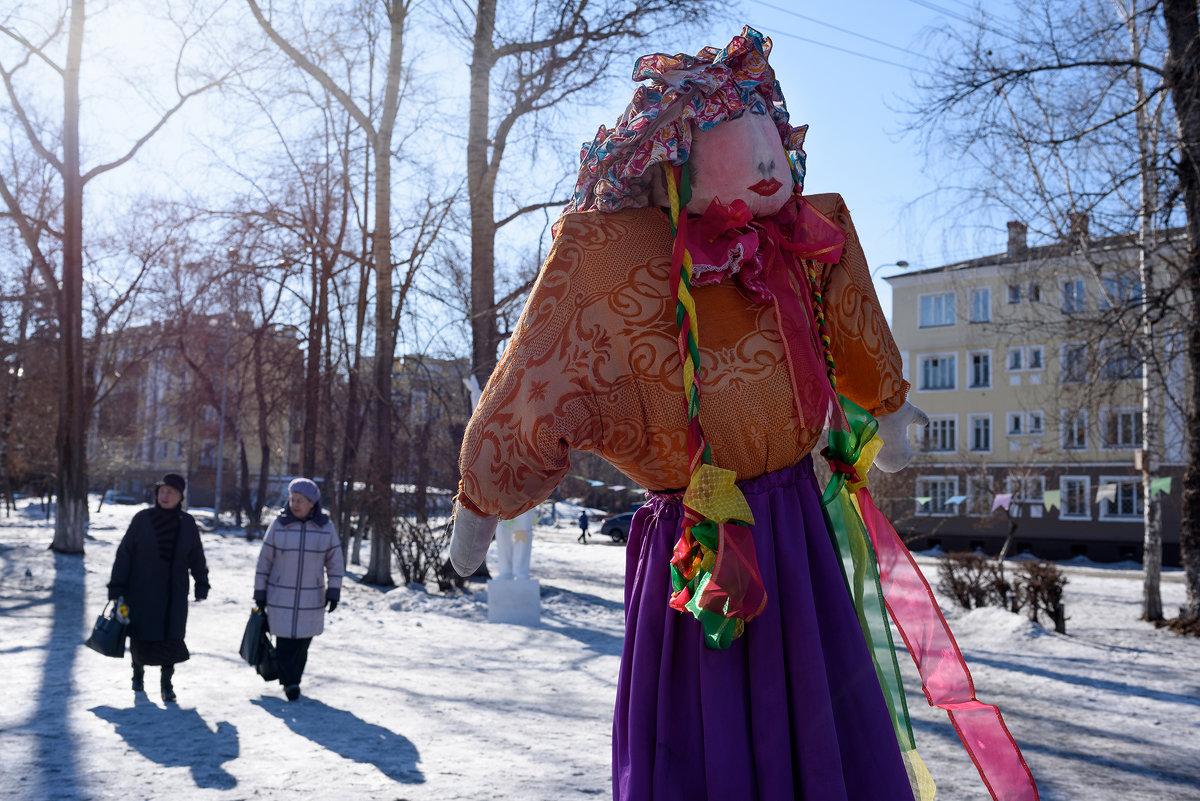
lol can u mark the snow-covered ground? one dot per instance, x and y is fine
(414, 695)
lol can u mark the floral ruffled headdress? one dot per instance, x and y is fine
(684, 91)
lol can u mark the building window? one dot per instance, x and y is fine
(1074, 364)
(1072, 296)
(1074, 428)
(1128, 503)
(1122, 428)
(1035, 292)
(1026, 357)
(1028, 490)
(939, 435)
(1120, 362)
(1074, 500)
(981, 370)
(981, 432)
(937, 372)
(981, 305)
(1014, 293)
(938, 489)
(937, 310)
(1020, 423)
(979, 497)
(1121, 291)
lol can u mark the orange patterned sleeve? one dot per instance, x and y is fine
(869, 370)
(537, 404)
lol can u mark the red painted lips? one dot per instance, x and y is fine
(766, 188)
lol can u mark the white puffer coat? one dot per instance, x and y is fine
(295, 559)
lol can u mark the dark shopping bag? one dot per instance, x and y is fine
(268, 663)
(253, 637)
(108, 635)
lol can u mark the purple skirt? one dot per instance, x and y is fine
(792, 710)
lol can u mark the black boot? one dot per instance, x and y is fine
(139, 679)
(168, 692)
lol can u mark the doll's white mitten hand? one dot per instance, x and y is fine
(470, 539)
(893, 430)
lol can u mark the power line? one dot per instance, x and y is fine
(852, 52)
(840, 30)
(955, 15)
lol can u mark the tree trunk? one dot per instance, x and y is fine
(1151, 379)
(312, 374)
(379, 570)
(481, 182)
(71, 514)
(1183, 78)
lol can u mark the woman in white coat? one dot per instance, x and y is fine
(300, 552)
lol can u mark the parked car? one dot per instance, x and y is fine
(617, 526)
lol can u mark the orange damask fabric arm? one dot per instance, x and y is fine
(869, 368)
(537, 404)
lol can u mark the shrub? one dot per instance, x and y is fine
(975, 581)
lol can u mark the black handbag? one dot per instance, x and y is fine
(108, 635)
(268, 663)
(254, 637)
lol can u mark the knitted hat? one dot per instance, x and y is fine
(173, 480)
(306, 487)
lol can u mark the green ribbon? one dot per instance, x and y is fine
(856, 556)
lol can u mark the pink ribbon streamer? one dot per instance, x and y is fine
(944, 675)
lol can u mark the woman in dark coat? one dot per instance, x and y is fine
(150, 579)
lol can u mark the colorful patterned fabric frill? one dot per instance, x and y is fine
(684, 91)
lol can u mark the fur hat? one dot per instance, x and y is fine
(306, 487)
(173, 480)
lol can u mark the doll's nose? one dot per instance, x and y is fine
(766, 168)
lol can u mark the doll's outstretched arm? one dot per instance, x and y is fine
(893, 431)
(470, 538)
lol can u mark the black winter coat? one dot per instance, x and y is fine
(157, 592)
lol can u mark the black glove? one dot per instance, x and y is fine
(332, 602)
(260, 599)
(201, 592)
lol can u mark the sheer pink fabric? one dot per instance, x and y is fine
(944, 675)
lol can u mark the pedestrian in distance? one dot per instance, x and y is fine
(299, 577)
(583, 527)
(149, 582)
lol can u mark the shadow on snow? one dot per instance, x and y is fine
(177, 738)
(349, 736)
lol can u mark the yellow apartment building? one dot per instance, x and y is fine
(1028, 363)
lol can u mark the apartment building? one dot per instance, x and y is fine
(1029, 365)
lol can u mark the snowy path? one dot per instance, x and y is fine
(411, 695)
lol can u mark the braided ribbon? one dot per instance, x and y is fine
(714, 569)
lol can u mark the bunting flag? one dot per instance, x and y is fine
(1162, 485)
(957, 499)
(1106, 492)
(1052, 499)
(1002, 501)
(593, 482)
(923, 499)
(617, 487)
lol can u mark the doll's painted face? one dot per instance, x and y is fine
(740, 159)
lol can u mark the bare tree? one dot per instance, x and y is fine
(528, 60)
(377, 121)
(60, 148)
(1065, 115)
